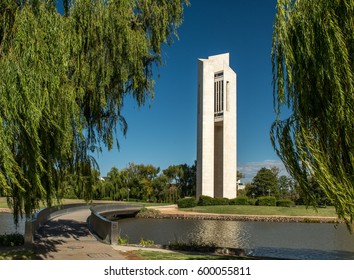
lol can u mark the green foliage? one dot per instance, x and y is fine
(156, 255)
(70, 196)
(140, 182)
(182, 179)
(251, 201)
(20, 254)
(266, 210)
(146, 242)
(266, 201)
(174, 173)
(123, 240)
(263, 183)
(221, 201)
(285, 203)
(320, 198)
(14, 239)
(193, 246)
(240, 175)
(241, 200)
(287, 188)
(241, 192)
(205, 200)
(63, 83)
(312, 58)
(148, 212)
(188, 180)
(187, 202)
(69, 193)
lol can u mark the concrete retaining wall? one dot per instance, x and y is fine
(107, 229)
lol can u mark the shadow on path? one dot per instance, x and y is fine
(64, 228)
(58, 232)
(68, 238)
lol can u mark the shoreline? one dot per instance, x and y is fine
(245, 218)
(173, 212)
(6, 210)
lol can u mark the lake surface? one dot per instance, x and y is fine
(279, 240)
(7, 224)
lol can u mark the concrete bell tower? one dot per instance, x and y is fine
(216, 128)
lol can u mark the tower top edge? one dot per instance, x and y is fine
(225, 58)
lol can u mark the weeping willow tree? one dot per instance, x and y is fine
(312, 58)
(63, 80)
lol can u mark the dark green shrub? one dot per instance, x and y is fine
(232, 201)
(70, 196)
(14, 239)
(252, 201)
(285, 203)
(192, 246)
(205, 200)
(220, 201)
(187, 202)
(123, 240)
(242, 200)
(266, 201)
(148, 213)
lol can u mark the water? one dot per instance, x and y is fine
(278, 240)
(7, 225)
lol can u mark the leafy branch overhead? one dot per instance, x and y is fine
(312, 56)
(63, 79)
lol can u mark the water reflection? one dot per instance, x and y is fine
(280, 240)
(217, 232)
(7, 224)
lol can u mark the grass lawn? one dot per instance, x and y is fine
(329, 211)
(155, 255)
(3, 203)
(17, 255)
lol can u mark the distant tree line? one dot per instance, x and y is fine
(139, 182)
(145, 182)
(268, 182)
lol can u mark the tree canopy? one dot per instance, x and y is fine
(142, 182)
(63, 80)
(312, 57)
(264, 183)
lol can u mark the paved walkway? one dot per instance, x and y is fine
(67, 238)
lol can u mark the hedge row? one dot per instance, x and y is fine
(13, 239)
(188, 202)
(204, 200)
(266, 201)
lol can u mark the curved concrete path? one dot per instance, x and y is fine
(67, 238)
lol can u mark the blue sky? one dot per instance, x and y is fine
(163, 132)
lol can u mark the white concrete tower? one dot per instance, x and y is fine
(216, 128)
